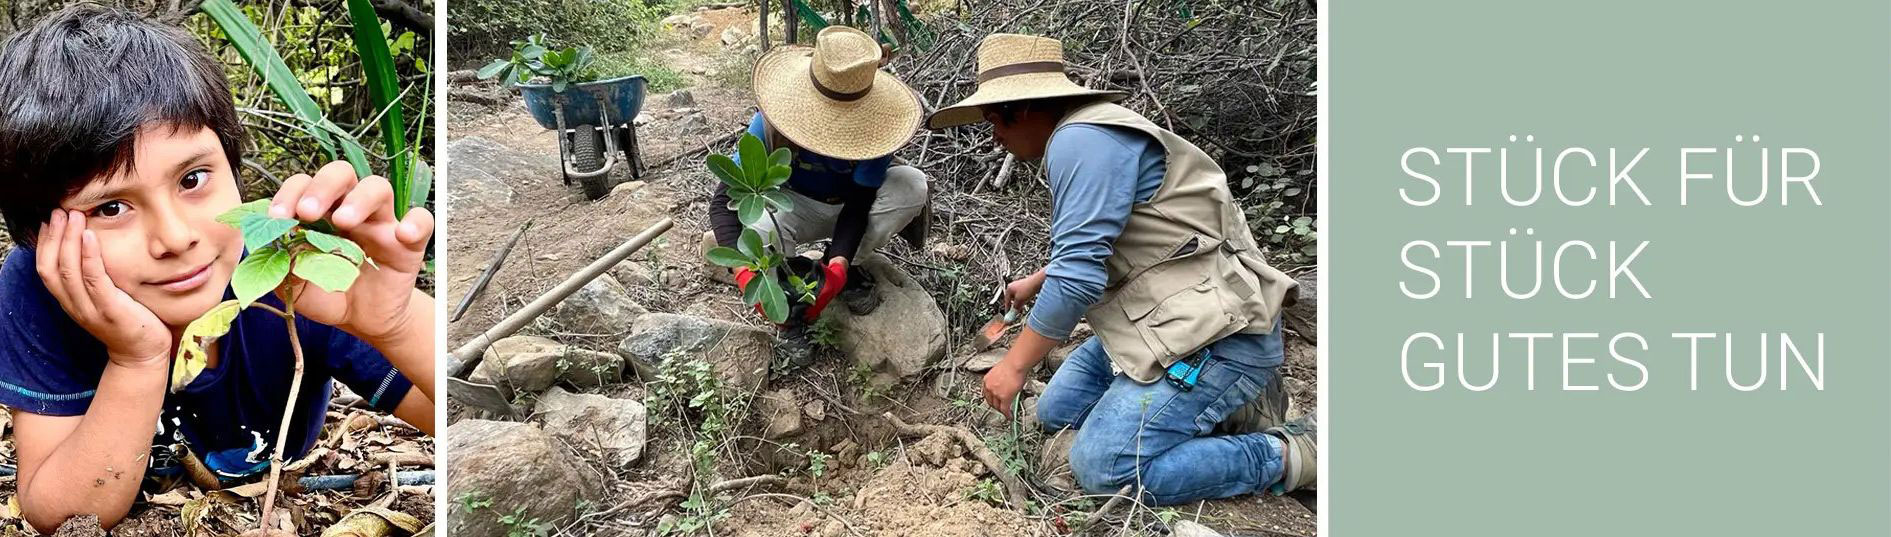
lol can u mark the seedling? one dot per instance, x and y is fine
(279, 248)
(755, 193)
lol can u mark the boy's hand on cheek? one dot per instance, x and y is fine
(69, 261)
(376, 306)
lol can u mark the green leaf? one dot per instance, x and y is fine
(767, 292)
(384, 91)
(328, 271)
(234, 217)
(727, 257)
(259, 274)
(260, 230)
(751, 244)
(750, 210)
(335, 245)
(754, 160)
(780, 157)
(779, 200)
(191, 358)
(249, 43)
(493, 69)
(777, 175)
(423, 184)
(726, 169)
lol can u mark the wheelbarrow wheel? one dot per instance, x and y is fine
(587, 155)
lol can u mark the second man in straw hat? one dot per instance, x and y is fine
(843, 118)
(1179, 391)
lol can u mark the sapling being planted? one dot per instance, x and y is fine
(755, 193)
(283, 255)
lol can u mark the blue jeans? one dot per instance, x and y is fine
(1155, 435)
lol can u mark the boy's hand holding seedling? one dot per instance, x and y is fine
(382, 306)
(70, 263)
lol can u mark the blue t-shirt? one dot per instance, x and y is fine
(229, 415)
(825, 178)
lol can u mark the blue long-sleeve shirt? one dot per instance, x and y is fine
(1097, 173)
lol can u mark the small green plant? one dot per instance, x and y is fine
(755, 193)
(533, 57)
(699, 514)
(817, 463)
(278, 249)
(473, 501)
(877, 459)
(826, 333)
(518, 525)
(987, 491)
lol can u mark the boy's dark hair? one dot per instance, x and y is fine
(75, 90)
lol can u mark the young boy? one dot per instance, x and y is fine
(119, 145)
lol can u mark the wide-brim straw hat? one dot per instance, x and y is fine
(1015, 67)
(833, 99)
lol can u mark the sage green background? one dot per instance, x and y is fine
(1663, 460)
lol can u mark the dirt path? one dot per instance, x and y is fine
(875, 482)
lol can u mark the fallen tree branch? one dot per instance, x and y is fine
(732, 484)
(1094, 516)
(1014, 488)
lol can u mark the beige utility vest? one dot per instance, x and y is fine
(1186, 270)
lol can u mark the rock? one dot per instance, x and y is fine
(484, 172)
(612, 428)
(519, 468)
(816, 410)
(531, 364)
(1188, 528)
(635, 273)
(627, 188)
(1303, 316)
(782, 413)
(695, 123)
(899, 339)
(739, 354)
(643, 118)
(685, 110)
(698, 70)
(1029, 414)
(681, 98)
(600, 307)
(846, 449)
(733, 36)
(712, 271)
(549, 257)
(677, 20)
(982, 362)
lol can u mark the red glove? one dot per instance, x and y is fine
(833, 278)
(742, 277)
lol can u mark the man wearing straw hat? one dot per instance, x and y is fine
(1179, 390)
(843, 118)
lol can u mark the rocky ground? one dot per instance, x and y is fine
(654, 402)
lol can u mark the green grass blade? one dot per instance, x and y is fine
(384, 89)
(262, 57)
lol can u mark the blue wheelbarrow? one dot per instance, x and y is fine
(594, 122)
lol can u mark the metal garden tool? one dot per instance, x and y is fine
(994, 329)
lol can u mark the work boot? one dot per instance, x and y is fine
(1268, 409)
(796, 347)
(859, 294)
(1300, 469)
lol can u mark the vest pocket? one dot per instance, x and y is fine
(1179, 312)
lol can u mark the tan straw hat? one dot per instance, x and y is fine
(833, 99)
(1014, 67)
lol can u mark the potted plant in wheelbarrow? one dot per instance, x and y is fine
(593, 118)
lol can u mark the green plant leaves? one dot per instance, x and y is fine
(748, 209)
(191, 358)
(257, 52)
(779, 201)
(259, 230)
(259, 274)
(780, 157)
(728, 257)
(766, 291)
(335, 245)
(234, 217)
(328, 271)
(727, 171)
(751, 244)
(754, 160)
(384, 90)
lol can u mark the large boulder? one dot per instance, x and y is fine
(899, 339)
(610, 428)
(531, 364)
(484, 172)
(517, 468)
(602, 306)
(740, 355)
